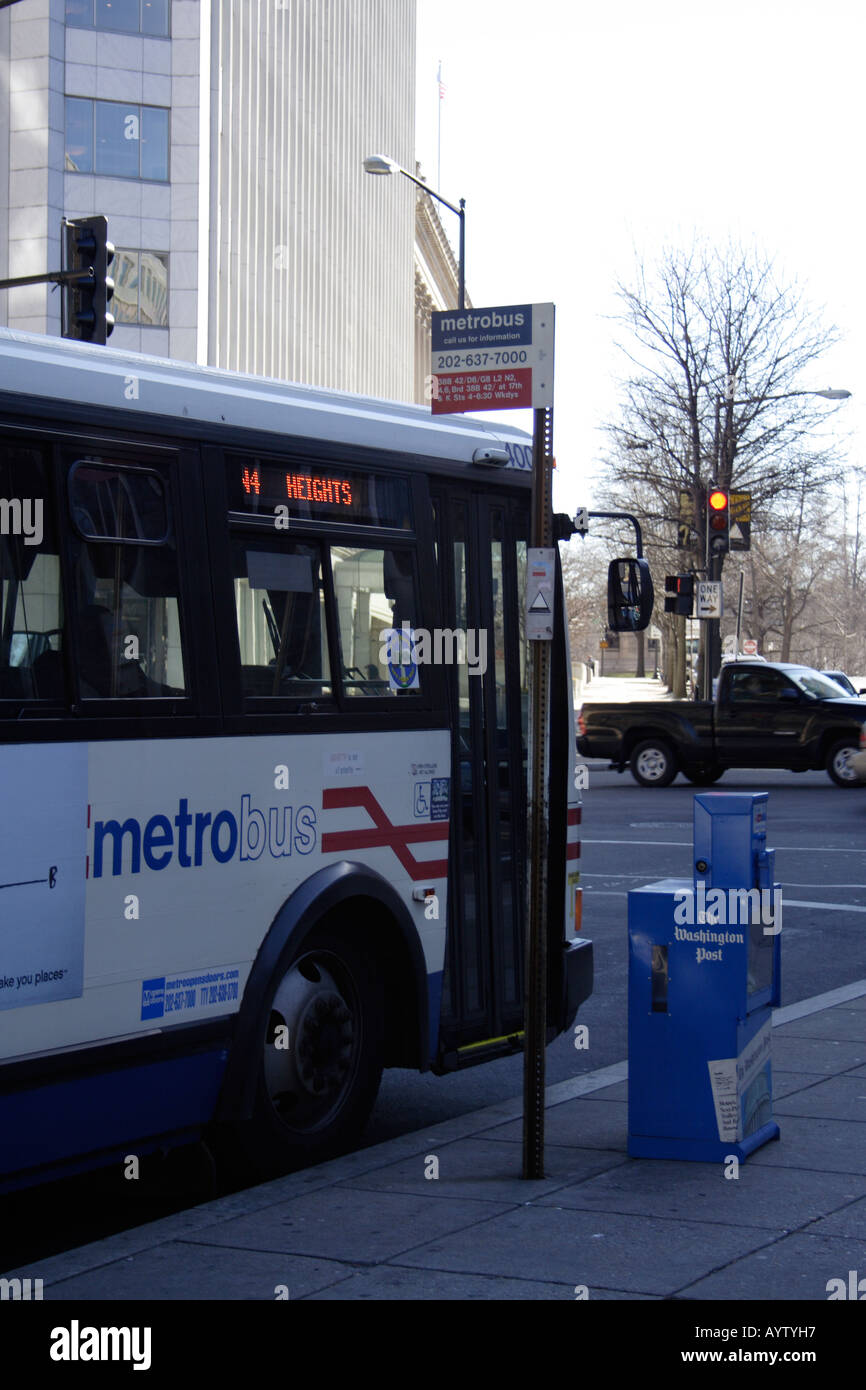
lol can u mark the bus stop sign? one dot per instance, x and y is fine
(492, 359)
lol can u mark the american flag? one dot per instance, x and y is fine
(441, 83)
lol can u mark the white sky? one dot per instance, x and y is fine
(580, 134)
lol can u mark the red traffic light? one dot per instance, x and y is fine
(718, 503)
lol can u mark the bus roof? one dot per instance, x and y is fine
(37, 366)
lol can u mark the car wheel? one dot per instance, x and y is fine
(704, 775)
(652, 763)
(838, 764)
(320, 1055)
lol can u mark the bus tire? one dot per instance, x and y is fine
(320, 1056)
(652, 763)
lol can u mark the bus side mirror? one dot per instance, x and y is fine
(630, 595)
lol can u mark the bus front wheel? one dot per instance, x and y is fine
(320, 1055)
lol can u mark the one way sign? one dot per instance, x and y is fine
(709, 599)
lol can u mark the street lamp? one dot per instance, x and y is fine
(381, 164)
(830, 393)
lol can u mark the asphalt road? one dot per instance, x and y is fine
(631, 835)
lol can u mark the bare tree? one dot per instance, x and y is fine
(584, 574)
(786, 565)
(721, 389)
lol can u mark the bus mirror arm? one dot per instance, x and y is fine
(622, 516)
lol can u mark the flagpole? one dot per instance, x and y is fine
(439, 134)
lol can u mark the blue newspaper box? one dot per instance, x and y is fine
(704, 975)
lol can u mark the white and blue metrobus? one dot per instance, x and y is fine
(249, 853)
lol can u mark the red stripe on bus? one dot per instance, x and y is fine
(395, 837)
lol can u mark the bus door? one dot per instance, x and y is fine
(481, 547)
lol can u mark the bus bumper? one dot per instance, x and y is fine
(576, 979)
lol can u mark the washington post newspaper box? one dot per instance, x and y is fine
(703, 978)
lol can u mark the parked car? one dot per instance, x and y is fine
(765, 714)
(841, 679)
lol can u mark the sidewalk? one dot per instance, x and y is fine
(372, 1225)
(602, 690)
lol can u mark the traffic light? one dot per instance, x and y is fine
(680, 594)
(718, 520)
(85, 302)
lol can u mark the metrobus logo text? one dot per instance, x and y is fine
(188, 836)
(22, 516)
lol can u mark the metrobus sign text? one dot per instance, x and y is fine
(492, 359)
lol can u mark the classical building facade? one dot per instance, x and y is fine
(436, 282)
(224, 141)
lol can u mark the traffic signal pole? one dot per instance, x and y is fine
(51, 277)
(88, 288)
(717, 521)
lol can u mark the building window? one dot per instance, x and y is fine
(126, 16)
(114, 137)
(140, 287)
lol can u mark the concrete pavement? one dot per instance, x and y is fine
(603, 690)
(443, 1214)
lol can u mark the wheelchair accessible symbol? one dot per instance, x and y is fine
(402, 672)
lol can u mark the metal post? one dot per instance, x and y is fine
(535, 1025)
(50, 277)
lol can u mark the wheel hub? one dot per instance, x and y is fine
(325, 1038)
(310, 1044)
(843, 765)
(652, 763)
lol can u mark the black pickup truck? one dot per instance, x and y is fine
(764, 715)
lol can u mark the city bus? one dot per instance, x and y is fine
(263, 727)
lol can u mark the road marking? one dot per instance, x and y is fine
(678, 844)
(826, 907)
(786, 902)
(859, 886)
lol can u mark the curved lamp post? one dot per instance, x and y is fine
(830, 393)
(381, 164)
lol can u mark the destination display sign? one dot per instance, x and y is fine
(259, 485)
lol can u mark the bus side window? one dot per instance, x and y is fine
(377, 595)
(126, 579)
(31, 603)
(282, 631)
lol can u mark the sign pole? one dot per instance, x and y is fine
(542, 558)
(502, 358)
